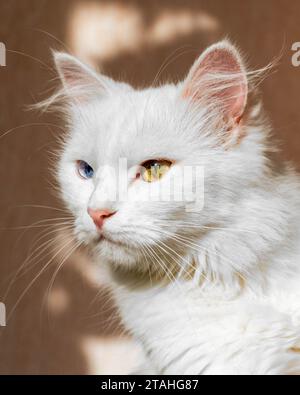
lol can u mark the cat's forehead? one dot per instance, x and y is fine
(134, 125)
(138, 110)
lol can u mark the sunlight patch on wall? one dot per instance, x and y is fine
(58, 301)
(111, 355)
(100, 32)
(170, 25)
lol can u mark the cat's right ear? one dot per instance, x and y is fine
(80, 81)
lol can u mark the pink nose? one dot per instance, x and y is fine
(98, 216)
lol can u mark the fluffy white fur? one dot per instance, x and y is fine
(209, 292)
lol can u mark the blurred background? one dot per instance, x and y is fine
(73, 327)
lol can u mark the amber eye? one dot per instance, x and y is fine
(154, 169)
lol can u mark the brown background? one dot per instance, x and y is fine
(72, 332)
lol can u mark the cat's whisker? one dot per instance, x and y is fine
(59, 266)
(182, 268)
(51, 225)
(214, 281)
(54, 38)
(185, 224)
(40, 224)
(107, 323)
(35, 278)
(144, 253)
(166, 269)
(26, 230)
(7, 132)
(169, 60)
(181, 291)
(106, 307)
(51, 69)
(57, 228)
(43, 206)
(52, 228)
(200, 249)
(32, 260)
(178, 259)
(160, 263)
(186, 242)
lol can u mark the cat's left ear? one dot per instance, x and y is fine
(79, 80)
(218, 77)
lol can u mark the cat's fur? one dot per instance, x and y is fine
(215, 291)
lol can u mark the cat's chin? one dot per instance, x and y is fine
(115, 251)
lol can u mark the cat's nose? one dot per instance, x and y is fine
(99, 216)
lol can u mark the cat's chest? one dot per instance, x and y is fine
(185, 331)
(163, 321)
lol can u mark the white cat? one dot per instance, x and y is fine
(214, 290)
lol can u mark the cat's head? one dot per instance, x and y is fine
(129, 153)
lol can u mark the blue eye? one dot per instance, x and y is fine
(84, 169)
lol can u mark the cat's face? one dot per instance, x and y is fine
(128, 149)
(114, 136)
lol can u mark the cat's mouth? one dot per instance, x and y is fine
(106, 238)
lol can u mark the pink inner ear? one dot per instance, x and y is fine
(73, 75)
(218, 75)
